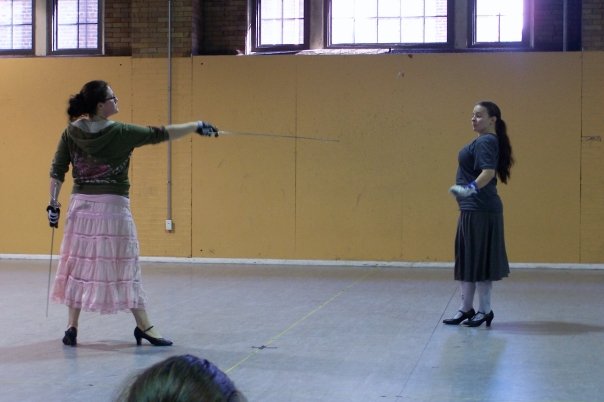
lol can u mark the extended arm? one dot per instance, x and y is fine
(177, 131)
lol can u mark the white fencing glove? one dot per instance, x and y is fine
(464, 191)
(206, 129)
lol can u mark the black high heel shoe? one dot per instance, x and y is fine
(70, 337)
(138, 334)
(477, 321)
(465, 315)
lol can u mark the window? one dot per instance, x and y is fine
(75, 26)
(377, 22)
(499, 22)
(281, 24)
(16, 26)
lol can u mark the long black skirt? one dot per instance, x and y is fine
(480, 247)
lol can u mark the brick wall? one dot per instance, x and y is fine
(593, 25)
(196, 33)
(139, 27)
(150, 28)
(117, 21)
(549, 25)
(224, 26)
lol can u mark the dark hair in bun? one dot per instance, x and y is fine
(85, 102)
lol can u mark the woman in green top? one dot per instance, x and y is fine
(98, 266)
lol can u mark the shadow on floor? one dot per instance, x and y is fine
(546, 328)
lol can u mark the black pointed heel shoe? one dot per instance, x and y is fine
(139, 335)
(465, 315)
(479, 318)
(70, 337)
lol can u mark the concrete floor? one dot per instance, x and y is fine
(307, 333)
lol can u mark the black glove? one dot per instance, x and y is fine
(206, 129)
(53, 216)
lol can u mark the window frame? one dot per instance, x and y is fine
(51, 32)
(256, 32)
(431, 46)
(25, 52)
(461, 28)
(525, 43)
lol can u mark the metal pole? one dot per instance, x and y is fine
(564, 25)
(169, 168)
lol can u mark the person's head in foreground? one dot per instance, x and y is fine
(184, 378)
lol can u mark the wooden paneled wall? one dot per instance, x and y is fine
(378, 193)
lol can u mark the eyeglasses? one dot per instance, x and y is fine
(113, 98)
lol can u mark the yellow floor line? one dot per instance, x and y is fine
(302, 319)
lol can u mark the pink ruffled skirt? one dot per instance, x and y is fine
(98, 268)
